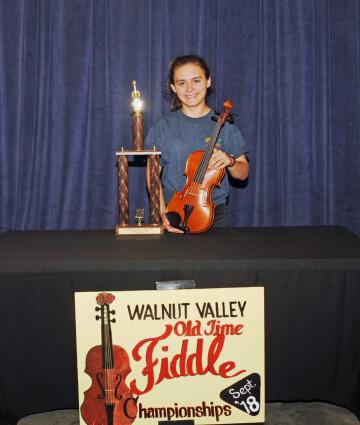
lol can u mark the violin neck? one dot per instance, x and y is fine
(199, 176)
(106, 339)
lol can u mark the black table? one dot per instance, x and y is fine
(311, 277)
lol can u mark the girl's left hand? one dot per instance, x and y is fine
(219, 160)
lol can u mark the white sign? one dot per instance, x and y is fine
(185, 355)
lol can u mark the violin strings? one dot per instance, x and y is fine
(200, 173)
(106, 360)
(206, 158)
(208, 152)
(109, 367)
(111, 364)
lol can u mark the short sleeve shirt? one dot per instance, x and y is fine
(176, 135)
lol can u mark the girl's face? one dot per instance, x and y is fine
(190, 85)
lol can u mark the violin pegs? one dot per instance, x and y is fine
(112, 312)
(215, 117)
(97, 308)
(113, 320)
(231, 119)
(97, 317)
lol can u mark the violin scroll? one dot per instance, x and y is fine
(225, 116)
(228, 105)
(105, 298)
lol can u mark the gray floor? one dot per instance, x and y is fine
(276, 414)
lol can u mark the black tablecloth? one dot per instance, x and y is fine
(311, 277)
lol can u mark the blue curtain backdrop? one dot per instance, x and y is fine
(291, 68)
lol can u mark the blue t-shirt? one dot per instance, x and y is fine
(176, 135)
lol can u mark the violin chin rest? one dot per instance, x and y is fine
(174, 219)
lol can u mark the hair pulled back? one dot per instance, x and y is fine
(175, 102)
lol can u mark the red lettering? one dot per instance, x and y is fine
(180, 328)
(150, 362)
(182, 364)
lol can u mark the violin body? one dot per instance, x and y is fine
(94, 410)
(197, 196)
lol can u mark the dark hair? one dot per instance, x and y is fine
(175, 102)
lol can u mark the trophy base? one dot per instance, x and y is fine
(135, 229)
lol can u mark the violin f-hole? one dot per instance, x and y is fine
(99, 376)
(118, 396)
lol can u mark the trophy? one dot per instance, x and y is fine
(139, 228)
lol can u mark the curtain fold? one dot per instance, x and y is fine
(291, 68)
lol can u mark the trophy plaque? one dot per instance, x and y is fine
(138, 228)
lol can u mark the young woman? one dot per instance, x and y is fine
(186, 129)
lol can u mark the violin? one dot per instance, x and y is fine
(192, 209)
(108, 401)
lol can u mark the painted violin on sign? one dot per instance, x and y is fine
(192, 209)
(108, 401)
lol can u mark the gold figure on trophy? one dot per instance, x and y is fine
(138, 119)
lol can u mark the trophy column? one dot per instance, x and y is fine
(155, 189)
(124, 227)
(123, 189)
